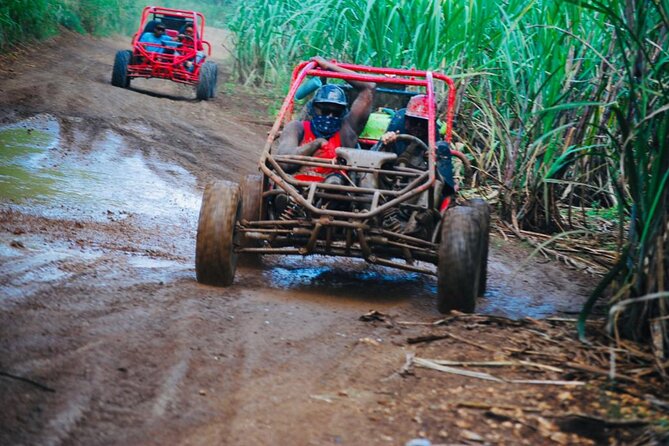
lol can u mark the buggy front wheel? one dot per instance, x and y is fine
(251, 191)
(215, 256)
(120, 76)
(459, 266)
(206, 87)
(483, 208)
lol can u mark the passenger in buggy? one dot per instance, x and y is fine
(413, 120)
(332, 125)
(187, 40)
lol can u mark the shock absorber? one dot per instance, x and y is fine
(291, 211)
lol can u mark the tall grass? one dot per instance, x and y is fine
(562, 104)
(639, 143)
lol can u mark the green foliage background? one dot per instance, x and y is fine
(24, 20)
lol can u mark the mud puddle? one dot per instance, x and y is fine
(73, 209)
(39, 174)
(347, 279)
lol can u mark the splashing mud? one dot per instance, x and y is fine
(341, 277)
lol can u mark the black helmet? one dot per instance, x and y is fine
(330, 94)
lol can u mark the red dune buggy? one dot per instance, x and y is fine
(179, 56)
(387, 212)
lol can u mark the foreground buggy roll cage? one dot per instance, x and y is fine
(419, 182)
(374, 205)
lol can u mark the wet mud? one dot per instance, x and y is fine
(100, 189)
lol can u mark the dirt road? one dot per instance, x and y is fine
(106, 338)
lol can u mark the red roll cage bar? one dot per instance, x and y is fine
(364, 74)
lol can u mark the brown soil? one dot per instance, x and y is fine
(121, 345)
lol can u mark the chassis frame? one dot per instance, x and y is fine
(391, 213)
(359, 236)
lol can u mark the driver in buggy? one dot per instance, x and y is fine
(156, 39)
(332, 125)
(413, 121)
(187, 39)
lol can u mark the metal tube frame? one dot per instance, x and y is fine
(361, 240)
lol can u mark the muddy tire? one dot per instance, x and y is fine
(120, 76)
(484, 213)
(215, 256)
(459, 267)
(206, 87)
(251, 191)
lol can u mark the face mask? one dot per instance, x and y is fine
(325, 126)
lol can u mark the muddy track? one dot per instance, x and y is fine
(99, 303)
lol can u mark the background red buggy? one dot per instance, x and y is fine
(178, 62)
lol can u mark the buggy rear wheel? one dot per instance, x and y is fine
(459, 267)
(484, 222)
(206, 87)
(120, 76)
(251, 190)
(215, 256)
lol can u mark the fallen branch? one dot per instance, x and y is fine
(429, 364)
(433, 365)
(431, 338)
(597, 371)
(547, 382)
(498, 364)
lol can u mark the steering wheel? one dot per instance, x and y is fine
(381, 147)
(183, 37)
(389, 181)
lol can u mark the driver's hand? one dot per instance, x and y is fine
(388, 138)
(320, 142)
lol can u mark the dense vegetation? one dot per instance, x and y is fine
(564, 106)
(23, 20)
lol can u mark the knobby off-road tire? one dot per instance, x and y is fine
(484, 213)
(459, 267)
(120, 76)
(215, 256)
(206, 87)
(251, 191)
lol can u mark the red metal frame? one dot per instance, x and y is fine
(377, 75)
(270, 167)
(308, 226)
(147, 64)
(387, 75)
